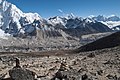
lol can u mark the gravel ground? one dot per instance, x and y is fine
(93, 65)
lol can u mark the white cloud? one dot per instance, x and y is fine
(60, 10)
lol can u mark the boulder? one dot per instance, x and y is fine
(21, 74)
(66, 74)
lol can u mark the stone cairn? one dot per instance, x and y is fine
(19, 73)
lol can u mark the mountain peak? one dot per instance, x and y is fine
(91, 16)
(11, 17)
(71, 15)
(2, 1)
(112, 15)
(111, 21)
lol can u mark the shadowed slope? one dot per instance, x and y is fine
(105, 42)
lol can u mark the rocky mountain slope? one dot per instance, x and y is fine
(29, 30)
(19, 29)
(15, 22)
(112, 40)
(77, 26)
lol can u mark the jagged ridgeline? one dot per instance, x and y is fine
(30, 31)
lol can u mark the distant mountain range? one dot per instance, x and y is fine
(15, 23)
(111, 21)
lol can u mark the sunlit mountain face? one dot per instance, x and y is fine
(65, 30)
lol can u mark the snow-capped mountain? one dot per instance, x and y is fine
(34, 31)
(110, 21)
(113, 18)
(58, 20)
(15, 22)
(70, 21)
(99, 18)
(116, 28)
(104, 18)
(61, 19)
(77, 26)
(11, 17)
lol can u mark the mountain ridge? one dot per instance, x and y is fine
(26, 23)
(30, 30)
(110, 41)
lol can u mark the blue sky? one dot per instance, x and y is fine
(48, 8)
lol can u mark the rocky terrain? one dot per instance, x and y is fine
(58, 65)
(85, 39)
(59, 48)
(33, 44)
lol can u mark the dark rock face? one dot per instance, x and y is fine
(21, 74)
(87, 28)
(98, 26)
(110, 77)
(110, 41)
(116, 28)
(18, 73)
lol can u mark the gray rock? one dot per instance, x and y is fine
(21, 74)
(65, 74)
